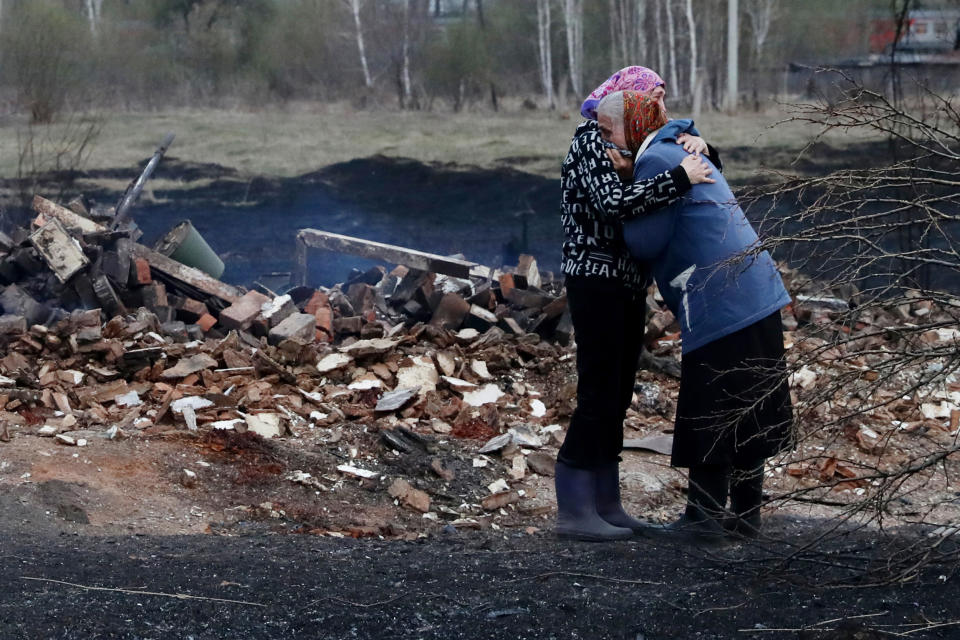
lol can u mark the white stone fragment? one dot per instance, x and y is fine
(129, 399)
(333, 362)
(421, 373)
(458, 384)
(226, 425)
(498, 486)
(488, 394)
(190, 417)
(933, 411)
(357, 472)
(266, 425)
(312, 396)
(805, 378)
(194, 402)
(479, 367)
(365, 383)
(537, 409)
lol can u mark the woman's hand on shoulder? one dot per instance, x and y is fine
(697, 169)
(692, 144)
(623, 166)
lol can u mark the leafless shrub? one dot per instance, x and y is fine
(53, 154)
(874, 271)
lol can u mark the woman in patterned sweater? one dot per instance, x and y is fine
(606, 291)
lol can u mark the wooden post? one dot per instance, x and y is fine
(299, 276)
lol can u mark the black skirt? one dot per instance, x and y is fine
(734, 402)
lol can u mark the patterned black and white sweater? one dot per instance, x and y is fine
(595, 203)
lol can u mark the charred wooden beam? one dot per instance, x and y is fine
(315, 239)
(70, 220)
(193, 277)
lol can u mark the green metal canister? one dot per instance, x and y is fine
(184, 244)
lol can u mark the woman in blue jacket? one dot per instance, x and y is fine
(733, 409)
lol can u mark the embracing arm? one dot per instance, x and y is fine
(616, 200)
(695, 144)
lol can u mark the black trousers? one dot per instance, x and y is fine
(734, 402)
(608, 321)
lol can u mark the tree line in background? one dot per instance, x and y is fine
(415, 54)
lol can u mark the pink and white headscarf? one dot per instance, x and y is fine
(640, 79)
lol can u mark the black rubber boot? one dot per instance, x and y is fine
(609, 505)
(703, 519)
(577, 516)
(746, 498)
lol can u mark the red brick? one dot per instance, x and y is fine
(506, 284)
(206, 322)
(141, 271)
(324, 316)
(318, 300)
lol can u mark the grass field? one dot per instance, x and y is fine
(300, 138)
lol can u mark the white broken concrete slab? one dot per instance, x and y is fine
(421, 373)
(266, 425)
(537, 408)
(805, 378)
(487, 394)
(479, 367)
(933, 411)
(194, 402)
(129, 399)
(365, 383)
(332, 362)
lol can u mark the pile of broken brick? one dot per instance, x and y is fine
(105, 338)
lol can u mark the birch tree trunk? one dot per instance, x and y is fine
(623, 23)
(733, 52)
(615, 59)
(544, 51)
(93, 14)
(573, 18)
(661, 49)
(355, 10)
(405, 98)
(692, 26)
(761, 14)
(672, 45)
(638, 36)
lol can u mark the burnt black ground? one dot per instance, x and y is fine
(461, 585)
